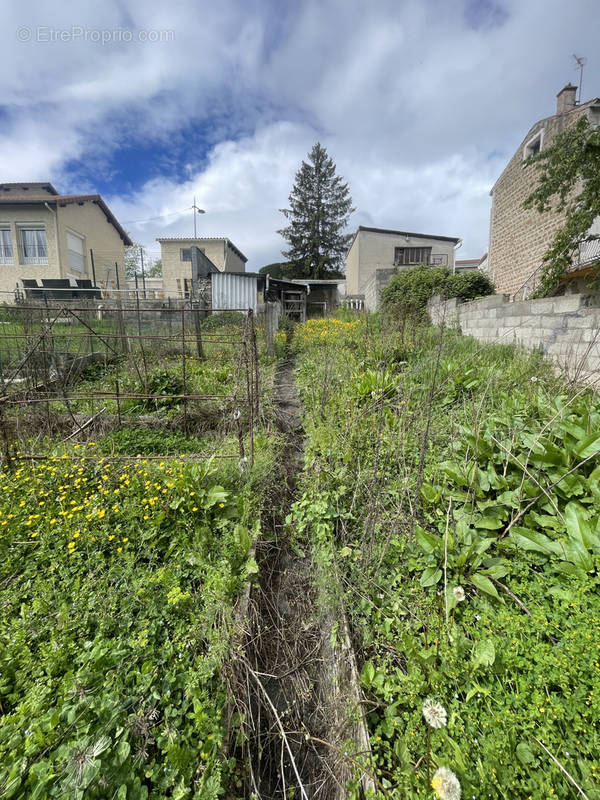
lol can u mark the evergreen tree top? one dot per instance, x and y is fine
(319, 208)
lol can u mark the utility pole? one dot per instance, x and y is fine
(196, 210)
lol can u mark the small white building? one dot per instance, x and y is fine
(376, 254)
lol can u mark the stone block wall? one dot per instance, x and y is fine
(519, 237)
(565, 328)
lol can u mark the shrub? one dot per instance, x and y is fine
(222, 319)
(469, 285)
(408, 291)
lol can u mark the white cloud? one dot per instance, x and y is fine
(421, 103)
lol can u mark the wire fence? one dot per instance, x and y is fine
(68, 370)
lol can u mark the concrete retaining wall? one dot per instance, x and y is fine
(565, 328)
(372, 290)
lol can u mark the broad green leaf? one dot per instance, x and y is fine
(251, 567)
(484, 584)
(589, 445)
(429, 493)
(123, 751)
(497, 571)
(368, 674)
(430, 576)
(215, 495)
(577, 554)
(532, 540)
(579, 528)
(484, 654)
(489, 521)
(428, 542)
(524, 753)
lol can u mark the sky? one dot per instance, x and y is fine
(421, 103)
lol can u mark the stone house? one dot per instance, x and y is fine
(376, 254)
(177, 261)
(519, 237)
(45, 235)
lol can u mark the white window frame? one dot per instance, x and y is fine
(80, 270)
(5, 258)
(539, 136)
(32, 226)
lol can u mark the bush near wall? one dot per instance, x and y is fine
(409, 290)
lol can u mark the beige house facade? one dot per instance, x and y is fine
(46, 235)
(376, 254)
(519, 237)
(177, 261)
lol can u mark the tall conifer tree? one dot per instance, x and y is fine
(320, 205)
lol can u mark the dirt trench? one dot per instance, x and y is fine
(299, 692)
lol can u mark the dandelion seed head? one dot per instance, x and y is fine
(445, 784)
(459, 593)
(434, 713)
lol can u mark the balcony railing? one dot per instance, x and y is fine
(6, 254)
(35, 254)
(432, 260)
(440, 260)
(589, 254)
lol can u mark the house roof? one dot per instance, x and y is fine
(470, 261)
(26, 185)
(360, 228)
(25, 198)
(204, 239)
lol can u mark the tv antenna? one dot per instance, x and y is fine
(580, 62)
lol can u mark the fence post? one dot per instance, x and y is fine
(93, 267)
(272, 320)
(198, 328)
(254, 348)
(183, 375)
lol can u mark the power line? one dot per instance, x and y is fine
(150, 219)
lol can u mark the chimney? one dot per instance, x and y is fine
(565, 99)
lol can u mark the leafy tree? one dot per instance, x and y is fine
(279, 269)
(133, 261)
(138, 262)
(409, 290)
(569, 182)
(155, 271)
(320, 205)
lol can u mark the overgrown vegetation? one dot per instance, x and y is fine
(117, 582)
(409, 290)
(122, 559)
(453, 489)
